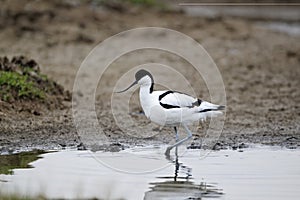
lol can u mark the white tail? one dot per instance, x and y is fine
(209, 107)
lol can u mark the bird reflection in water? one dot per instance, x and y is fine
(180, 186)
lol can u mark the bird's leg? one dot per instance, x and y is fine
(177, 165)
(176, 137)
(167, 153)
(190, 134)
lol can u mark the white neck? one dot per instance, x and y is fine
(145, 98)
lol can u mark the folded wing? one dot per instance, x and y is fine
(172, 99)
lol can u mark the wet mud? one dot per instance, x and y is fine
(259, 66)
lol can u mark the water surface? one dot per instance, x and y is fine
(145, 173)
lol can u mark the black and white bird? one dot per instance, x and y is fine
(171, 108)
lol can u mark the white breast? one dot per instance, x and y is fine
(151, 107)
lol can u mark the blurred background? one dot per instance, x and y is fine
(255, 47)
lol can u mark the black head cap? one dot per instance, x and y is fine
(141, 73)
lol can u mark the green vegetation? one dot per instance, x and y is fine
(144, 2)
(18, 197)
(151, 3)
(121, 3)
(17, 161)
(21, 160)
(20, 84)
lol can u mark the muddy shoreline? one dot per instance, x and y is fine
(260, 69)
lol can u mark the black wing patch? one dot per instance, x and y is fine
(196, 103)
(170, 106)
(164, 94)
(166, 106)
(207, 110)
(215, 109)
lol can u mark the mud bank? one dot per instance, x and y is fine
(259, 66)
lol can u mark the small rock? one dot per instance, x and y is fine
(291, 54)
(250, 67)
(194, 146)
(36, 113)
(81, 147)
(62, 144)
(242, 146)
(234, 147)
(115, 147)
(217, 146)
(291, 138)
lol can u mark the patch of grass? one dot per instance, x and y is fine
(20, 84)
(144, 2)
(150, 3)
(19, 197)
(20, 160)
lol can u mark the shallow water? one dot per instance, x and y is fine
(292, 29)
(145, 173)
(290, 13)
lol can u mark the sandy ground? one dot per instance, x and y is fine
(260, 69)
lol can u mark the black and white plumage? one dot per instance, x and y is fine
(171, 108)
